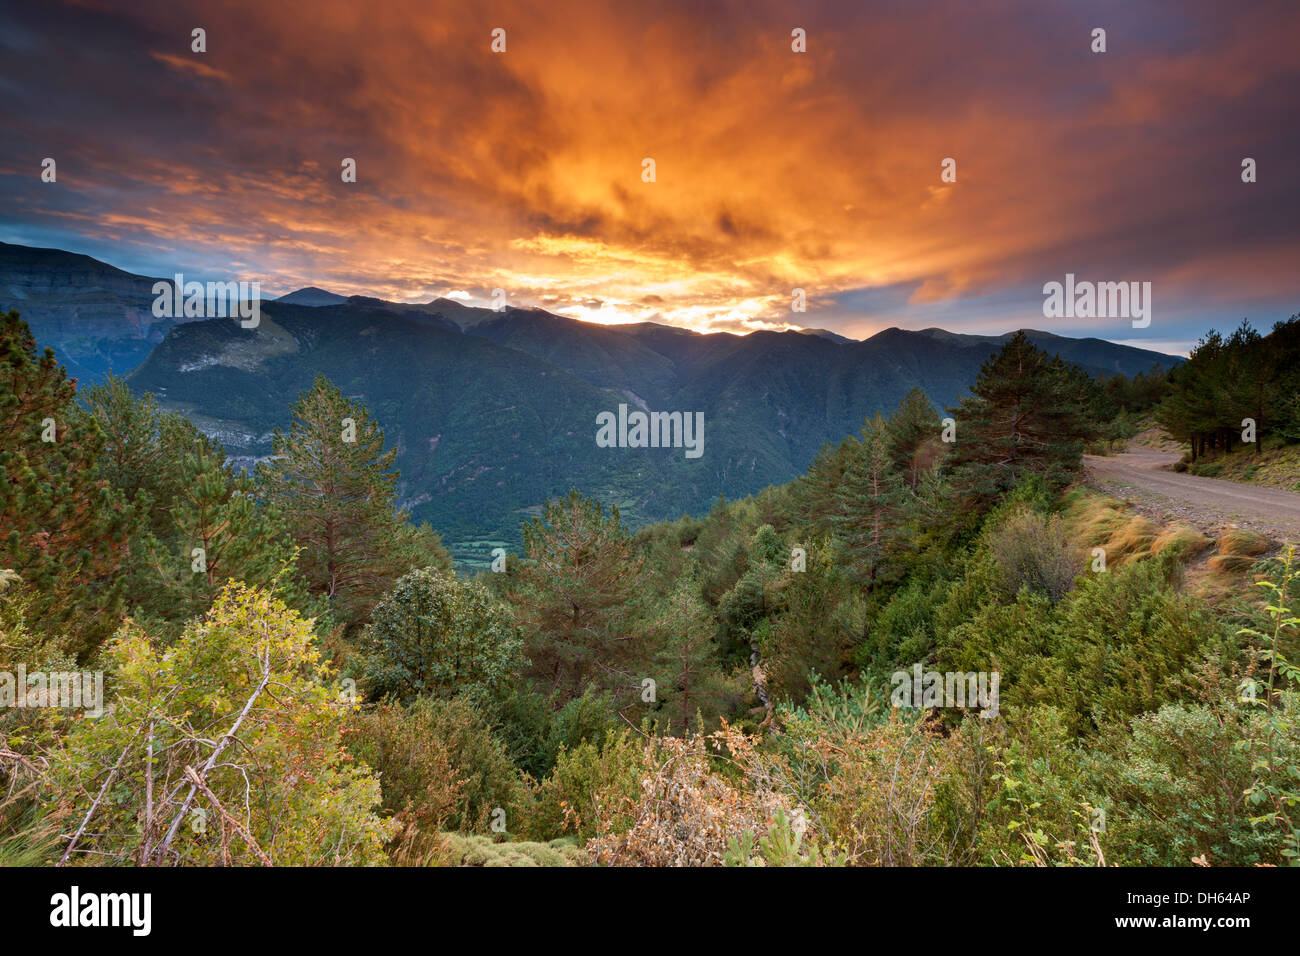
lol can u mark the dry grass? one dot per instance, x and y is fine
(1212, 568)
(1183, 536)
(1239, 550)
(1239, 543)
(1098, 521)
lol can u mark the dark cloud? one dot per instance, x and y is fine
(774, 170)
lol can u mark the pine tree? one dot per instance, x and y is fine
(576, 591)
(332, 482)
(135, 459)
(914, 437)
(199, 523)
(872, 506)
(1027, 414)
(63, 530)
(816, 493)
(687, 657)
(217, 533)
(815, 629)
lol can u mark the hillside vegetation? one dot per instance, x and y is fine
(1240, 390)
(932, 648)
(493, 413)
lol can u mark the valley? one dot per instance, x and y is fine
(494, 412)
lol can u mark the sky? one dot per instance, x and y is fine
(774, 170)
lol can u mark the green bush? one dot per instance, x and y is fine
(459, 850)
(433, 634)
(1034, 552)
(1122, 643)
(439, 764)
(1179, 787)
(905, 628)
(591, 785)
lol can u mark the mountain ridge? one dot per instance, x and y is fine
(494, 412)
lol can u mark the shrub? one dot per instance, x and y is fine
(905, 628)
(1122, 643)
(1036, 553)
(1180, 784)
(593, 786)
(1038, 806)
(459, 850)
(240, 701)
(876, 798)
(687, 814)
(439, 764)
(433, 634)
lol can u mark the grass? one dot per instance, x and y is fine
(1213, 568)
(26, 837)
(1239, 550)
(1099, 521)
(1183, 536)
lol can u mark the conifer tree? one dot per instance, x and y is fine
(816, 627)
(218, 533)
(914, 441)
(1027, 414)
(199, 523)
(576, 592)
(816, 492)
(331, 480)
(687, 656)
(63, 530)
(872, 506)
(136, 459)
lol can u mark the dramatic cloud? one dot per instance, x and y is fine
(775, 170)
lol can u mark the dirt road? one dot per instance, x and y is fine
(1140, 476)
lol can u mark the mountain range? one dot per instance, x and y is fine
(494, 411)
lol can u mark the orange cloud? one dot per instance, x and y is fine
(774, 170)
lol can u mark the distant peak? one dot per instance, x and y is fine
(826, 334)
(312, 296)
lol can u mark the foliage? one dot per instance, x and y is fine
(434, 635)
(1035, 552)
(63, 528)
(592, 789)
(1227, 380)
(438, 763)
(224, 749)
(575, 595)
(1276, 788)
(332, 481)
(703, 692)
(477, 850)
(687, 814)
(1024, 417)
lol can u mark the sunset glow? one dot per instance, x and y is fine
(775, 170)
